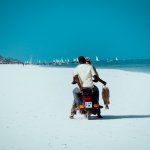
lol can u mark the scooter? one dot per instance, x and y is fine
(89, 104)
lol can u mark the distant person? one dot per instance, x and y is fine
(83, 75)
(88, 61)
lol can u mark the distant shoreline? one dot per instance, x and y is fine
(137, 65)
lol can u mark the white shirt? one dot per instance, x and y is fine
(85, 73)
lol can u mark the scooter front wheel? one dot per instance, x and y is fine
(99, 113)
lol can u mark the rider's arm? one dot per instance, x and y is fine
(78, 82)
(98, 79)
(95, 76)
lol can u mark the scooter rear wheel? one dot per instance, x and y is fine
(88, 115)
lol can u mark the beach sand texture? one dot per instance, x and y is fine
(35, 104)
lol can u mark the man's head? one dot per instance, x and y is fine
(81, 60)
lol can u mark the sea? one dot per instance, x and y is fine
(135, 65)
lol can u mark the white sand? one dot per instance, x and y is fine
(35, 104)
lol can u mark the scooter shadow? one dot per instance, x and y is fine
(110, 117)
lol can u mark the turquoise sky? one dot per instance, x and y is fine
(53, 29)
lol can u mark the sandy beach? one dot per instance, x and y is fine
(35, 104)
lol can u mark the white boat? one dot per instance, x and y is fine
(116, 59)
(97, 58)
(75, 60)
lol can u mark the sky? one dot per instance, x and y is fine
(55, 29)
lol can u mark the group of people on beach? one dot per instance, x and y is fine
(84, 76)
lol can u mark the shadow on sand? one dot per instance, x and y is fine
(109, 117)
(126, 116)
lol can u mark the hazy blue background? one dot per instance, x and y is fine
(53, 29)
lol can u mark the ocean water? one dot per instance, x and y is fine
(136, 65)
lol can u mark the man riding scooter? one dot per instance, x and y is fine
(83, 75)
